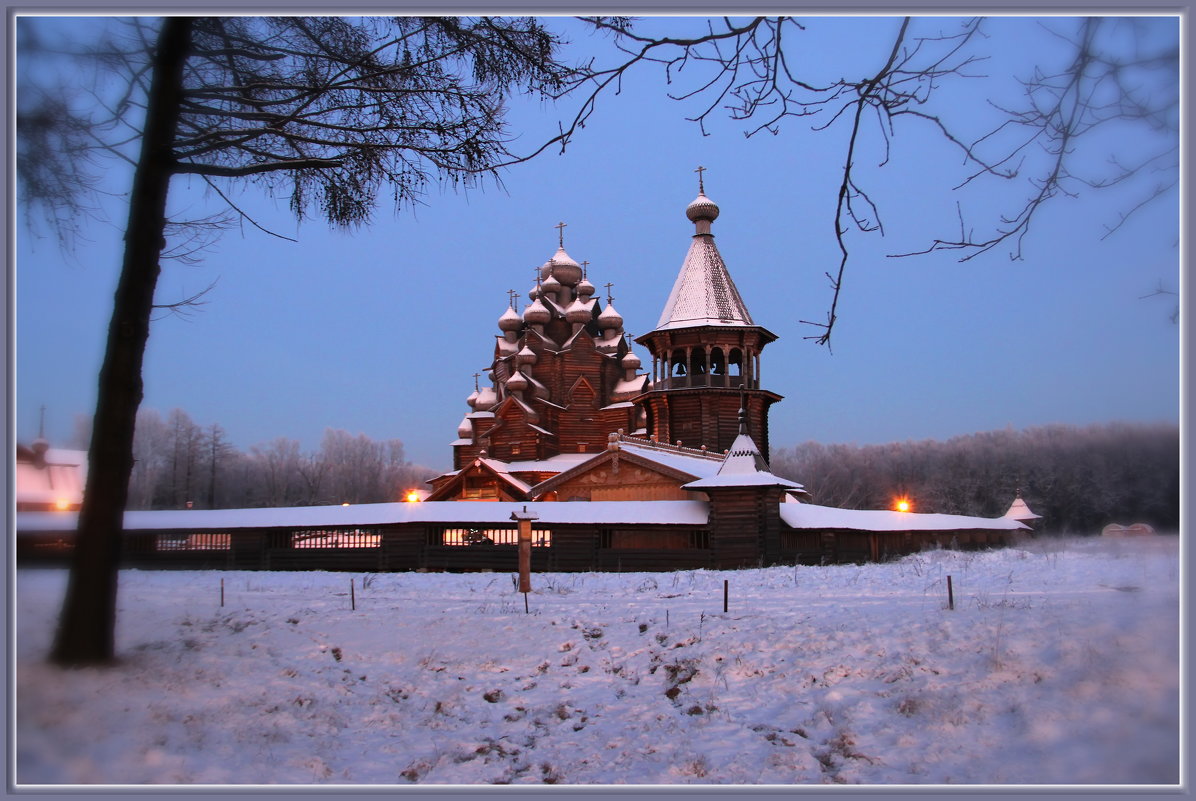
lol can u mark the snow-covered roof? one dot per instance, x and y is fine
(805, 515)
(703, 293)
(693, 513)
(60, 479)
(699, 466)
(1018, 510)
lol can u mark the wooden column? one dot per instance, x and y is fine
(524, 519)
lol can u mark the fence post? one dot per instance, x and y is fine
(726, 593)
(950, 595)
(222, 593)
(352, 595)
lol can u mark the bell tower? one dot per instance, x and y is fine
(706, 351)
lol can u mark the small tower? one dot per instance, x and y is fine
(1020, 511)
(706, 351)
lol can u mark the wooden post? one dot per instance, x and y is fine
(352, 595)
(524, 519)
(950, 594)
(222, 593)
(726, 592)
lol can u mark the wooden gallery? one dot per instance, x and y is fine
(622, 470)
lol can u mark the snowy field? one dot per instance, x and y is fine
(1060, 664)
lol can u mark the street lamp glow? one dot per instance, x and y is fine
(412, 496)
(902, 505)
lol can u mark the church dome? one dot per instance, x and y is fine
(526, 356)
(465, 429)
(517, 382)
(609, 318)
(578, 312)
(584, 288)
(510, 320)
(566, 270)
(551, 285)
(631, 361)
(702, 208)
(536, 313)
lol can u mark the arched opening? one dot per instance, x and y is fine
(678, 369)
(697, 362)
(735, 367)
(718, 367)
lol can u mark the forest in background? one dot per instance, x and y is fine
(178, 461)
(1079, 478)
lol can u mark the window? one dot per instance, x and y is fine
(337, 538)
(206, 541)
(483, 537)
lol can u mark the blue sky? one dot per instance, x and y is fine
(379, 331)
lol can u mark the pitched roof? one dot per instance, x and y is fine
(703, 293)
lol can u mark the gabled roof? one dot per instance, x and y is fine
(678, 467)
(499, 470)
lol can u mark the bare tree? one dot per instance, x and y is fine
(1113, 73)
(327, 110)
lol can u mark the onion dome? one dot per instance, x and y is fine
(534, 292)
(526, 356)
(551, 285)
(631, 361)
(584, 288)
(517, 382)
(486, 399)
(578, 312)
(465, 429)
(702, 208)
(472, 400)
(610, 318)
(536, 313)
(510, 320)
(564, 268)
(545, 269)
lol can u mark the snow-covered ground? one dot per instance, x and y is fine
(1060, 664)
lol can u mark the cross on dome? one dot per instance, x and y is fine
(701, 187)
(560, 227)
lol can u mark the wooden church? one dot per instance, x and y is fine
(622, 469)
(566, 413)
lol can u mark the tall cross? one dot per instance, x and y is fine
(701, 187)
(512, 294)
(560, 227)
(584, 265)
(537, 269)
(608, 297)
(476, 376)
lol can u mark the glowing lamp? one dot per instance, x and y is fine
(902, 505)
(412, 496)
(62, 504)
(346, 503)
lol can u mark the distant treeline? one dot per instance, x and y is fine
(179, 462)
(1078, 478)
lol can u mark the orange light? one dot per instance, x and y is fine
(902, 505)
(62, 504)
(412, 496)
(346, 503)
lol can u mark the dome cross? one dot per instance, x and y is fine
(701, 186)
(560, 227)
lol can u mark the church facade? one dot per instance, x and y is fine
(623, 466)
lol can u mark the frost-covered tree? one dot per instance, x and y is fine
(327, 111)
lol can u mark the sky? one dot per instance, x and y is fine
(379, 331)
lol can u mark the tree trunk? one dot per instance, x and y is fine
(87, 625)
